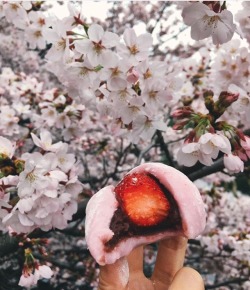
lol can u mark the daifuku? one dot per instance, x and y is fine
(152, 202)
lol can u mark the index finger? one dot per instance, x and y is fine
(170, 259)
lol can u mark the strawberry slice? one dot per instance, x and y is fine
(142, 199)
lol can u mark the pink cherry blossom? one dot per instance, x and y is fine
(204, 23)
(132, 76)
(233, 163)
(246, 145)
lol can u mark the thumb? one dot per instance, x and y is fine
(187, 279)
(114, 276)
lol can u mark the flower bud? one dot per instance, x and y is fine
(184, 112)
(240, 134)
(209, 102)
(226, 99)
(179, 126)
(132, 76)
(191, 137)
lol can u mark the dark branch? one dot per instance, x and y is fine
(164, 148)
(218, 165)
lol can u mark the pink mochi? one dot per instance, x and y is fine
(103, 205)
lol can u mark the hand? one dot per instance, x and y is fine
(169, 274)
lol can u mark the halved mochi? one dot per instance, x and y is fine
(152, 202)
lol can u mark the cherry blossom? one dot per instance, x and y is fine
(211, 144)
(246, 145)
(189, 154)
(7, 147)
(57, 36)
(46, 141)
(17, 11)
(206, 149)
(30, 279)
(242, 106)
(233, 163)
(95, 47)
(204, 23)
(135, 47)
(243, 18)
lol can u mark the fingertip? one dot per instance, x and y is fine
(114, 276)
(187, 279)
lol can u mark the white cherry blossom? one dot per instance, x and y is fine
(65, 161)
(33, 177)
(96, 46)
(30, 279)
(57, 36)
(46, 141)
(211, 144)
(136, 48)
(7, 147)
(144, 128)
(34, 36)
(190, 153)
(242, 105)
(16, 13)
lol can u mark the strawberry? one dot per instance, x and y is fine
(142, 199)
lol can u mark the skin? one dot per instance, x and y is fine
(168, 274)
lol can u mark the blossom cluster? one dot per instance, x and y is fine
(231, 66)
(105, 73)
(46, 185)
(32, 22)
(39, 190)
(227, 232)
(243, 18)
(120, 83)
(116, 93)
(113, 75)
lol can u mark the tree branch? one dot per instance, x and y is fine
(8, 245)
(164, 148)
(207, 170)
